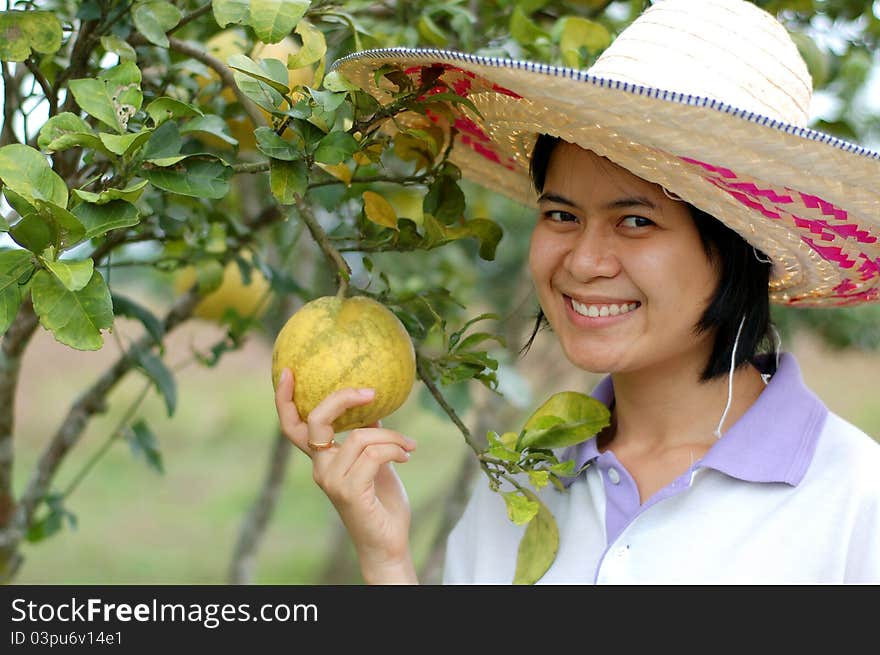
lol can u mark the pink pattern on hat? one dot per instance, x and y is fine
(815, 202)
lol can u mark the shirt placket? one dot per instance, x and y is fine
(622, 508)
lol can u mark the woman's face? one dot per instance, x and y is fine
(619, 268)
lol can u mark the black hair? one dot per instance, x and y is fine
(743, 289)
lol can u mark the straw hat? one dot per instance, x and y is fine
(708, 98)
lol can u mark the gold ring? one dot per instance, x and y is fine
(322, 446)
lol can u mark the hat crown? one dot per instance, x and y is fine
(696, 47)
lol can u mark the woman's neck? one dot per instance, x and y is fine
(667, 408)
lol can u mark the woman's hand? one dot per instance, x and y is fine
(358, 478)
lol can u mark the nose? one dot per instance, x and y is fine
(592, 255)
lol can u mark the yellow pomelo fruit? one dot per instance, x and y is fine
(304, 76)
(232, 293)
(332, 343)
(230, 42)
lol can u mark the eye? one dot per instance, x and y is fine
(559, 216)
(636, 221)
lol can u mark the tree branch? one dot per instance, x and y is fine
(14, 343)
(241, 570)
(89, 403)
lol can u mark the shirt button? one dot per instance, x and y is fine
(613, 475)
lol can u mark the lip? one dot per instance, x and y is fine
(599, 321)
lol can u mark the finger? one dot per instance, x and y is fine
(291, 424)
(369, 463)
(320, 419)
(361, 439)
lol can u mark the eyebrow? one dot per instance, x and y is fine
(620, 203)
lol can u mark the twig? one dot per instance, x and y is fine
(201, 11)
(108, 442)
(326, 246)
(241, 570)
(217, 66)
(10, 103)
(44, 84)
(425, 377)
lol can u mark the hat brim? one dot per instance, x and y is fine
(808, 200)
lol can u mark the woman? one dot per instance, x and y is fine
(673, 206)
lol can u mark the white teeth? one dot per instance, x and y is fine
(595, 311)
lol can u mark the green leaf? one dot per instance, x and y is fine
(210, 124)
(129, 194)
(164, 142)
(161, 376)
(334, 81)
(275, 147)
(199, 176)
(577, 33)
(272, 20)
(50, 523)
(565, 468)
(14, 265)
(313, 49)
(98, 219)
(123, 306)
(524, 30)
(520, 509)
(164, 109)
(539, 479)
(335, 148)
(76, 318)
(264, 73)
(74, 274)
(444, 200)
(488, 233)
(64, 131)
(123, 144)
(538, 546)
(112, 98)
(43, 224)
(475, 339)
(153, 18)
(24, 31)
(258, 91)
(144, 444)
(26, 172)
(119, 47)
(328, 100)
(566, 418)
(230, 11)
(287, 179)
(379, 210)
(431, 32)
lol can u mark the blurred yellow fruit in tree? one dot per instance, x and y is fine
(229, 42)
(232, 293)
(332, 343)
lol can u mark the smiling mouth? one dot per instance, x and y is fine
(601, 310)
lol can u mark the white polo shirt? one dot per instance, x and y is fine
(790, 494)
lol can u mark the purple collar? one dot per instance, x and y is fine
(773, 441)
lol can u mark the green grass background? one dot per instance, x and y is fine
(137, 526)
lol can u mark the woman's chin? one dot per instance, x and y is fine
(594, 360)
